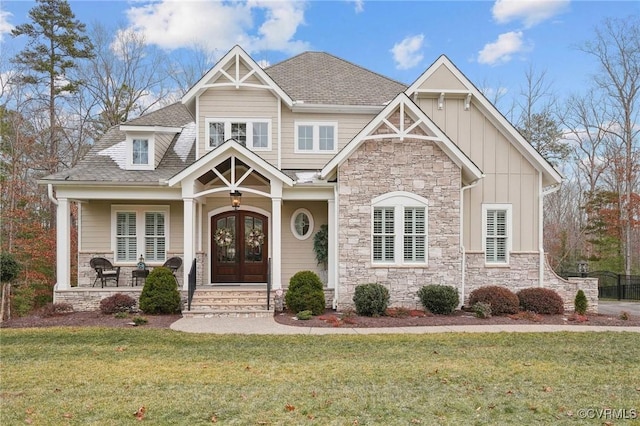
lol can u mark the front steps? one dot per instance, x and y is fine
(230, 301)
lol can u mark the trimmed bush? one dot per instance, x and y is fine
(160, 293)
(540, 301)
(304, 315)
(371, 299)
(117, 303)
(502, 300)
(439, 299)
(580, 303)
(305, 293)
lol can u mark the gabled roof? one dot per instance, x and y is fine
(234, 57)
(550, 175)
(321, 78)
(429, 131)
(225, 150)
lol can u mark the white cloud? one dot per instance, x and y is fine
(408, 53)
(530, 12)
(5, 25)
(501, 50)
(359, 5)
(219, 25)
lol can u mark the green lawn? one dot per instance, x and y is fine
(102, 376)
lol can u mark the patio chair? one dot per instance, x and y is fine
(173, 263)
(105, 271)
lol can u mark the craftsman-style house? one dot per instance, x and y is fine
(420, 184)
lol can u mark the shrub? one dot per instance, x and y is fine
(9, 267)
(53, 309)
(482, 310)
(160, 293)
(439, 299)
(541, 301)
(304, 315)
(305, 293)
(501, 299)
(139, 321)
(117, 303)
(371, 299)
(580, 303)
(624, 316)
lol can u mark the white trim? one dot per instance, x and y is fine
(509, 217)
(63, 244)
(316, 137)
(406, 106)
(150, 129)
(150, 138)
(399, 201)
(525, 148)
(140, 210)
(235, 54)
(292, 224)
(300, 106)
(227, 121)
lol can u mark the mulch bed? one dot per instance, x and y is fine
(420, 318)
(329, 319)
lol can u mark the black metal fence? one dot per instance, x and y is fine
(612, 285)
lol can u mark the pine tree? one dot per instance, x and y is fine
(56, 42)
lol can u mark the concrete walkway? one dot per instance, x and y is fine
(270, 326)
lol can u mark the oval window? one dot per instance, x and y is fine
(302, 224)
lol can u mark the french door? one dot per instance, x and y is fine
(239, 242)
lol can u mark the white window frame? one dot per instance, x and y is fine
(316, 137)
(509, 230)
(140, 212)
(399, 201)
(152, 151)
(227, 131)
(294, 231)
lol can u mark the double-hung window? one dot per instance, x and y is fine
(252, 133)
(140, 151)
(140, 230)
(399, 234)
(497, 233)
(316, 137)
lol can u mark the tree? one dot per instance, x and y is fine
(125, 79)
(616, 48)
(56, 42)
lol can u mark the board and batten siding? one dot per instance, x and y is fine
(348, 126)
(239, 103)
(96, 225)
(509, 177)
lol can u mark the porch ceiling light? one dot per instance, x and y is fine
(236, 197)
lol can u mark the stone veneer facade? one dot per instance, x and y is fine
(523, 272)
(388, 165)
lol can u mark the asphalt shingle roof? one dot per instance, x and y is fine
(321, 78)
(312, 77)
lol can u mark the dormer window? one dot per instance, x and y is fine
(140, 151)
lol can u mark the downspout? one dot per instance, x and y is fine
(336, 276)
(542, 194)
(463, 267)
(50, 193)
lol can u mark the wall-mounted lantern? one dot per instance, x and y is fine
(236, 198)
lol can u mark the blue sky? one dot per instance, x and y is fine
(492, 42)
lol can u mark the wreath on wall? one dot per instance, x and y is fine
(255, 238)
(223, 237)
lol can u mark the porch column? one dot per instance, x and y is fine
(189, 233)
(63, 252)
(276, 242)
(332, 252)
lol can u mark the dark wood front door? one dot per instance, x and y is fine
(239, 247)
